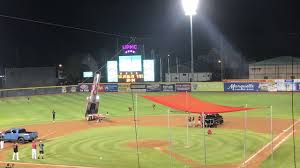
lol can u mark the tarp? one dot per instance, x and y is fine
(187, 103)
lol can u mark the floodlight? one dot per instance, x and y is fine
(190, 7)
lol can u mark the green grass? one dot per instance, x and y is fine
(281, 102)
(18, 111)
(110, 143)
(284, 156)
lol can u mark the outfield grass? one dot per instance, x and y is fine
(281, 102)
(284, 156)
(19, 111)
(107, 147)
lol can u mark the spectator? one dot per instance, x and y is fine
(15, 152)
(200, 120)
(209, 131)
(41, 145)
(33, 150)
(193, 121)
(189, 120)
(153, 107)
(1, 141)
(53, 115)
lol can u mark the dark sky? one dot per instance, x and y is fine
(257, 29)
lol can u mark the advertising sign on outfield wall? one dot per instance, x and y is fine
(207, 86)
(68, 89)
(297, 86)
(241, 87)
(183, 87)
(84, 87)
(111, 87)
(168, 87)
(272, 87)
(138, 87)
(124, 87)
(101, 88)
(263, 87)
(153, 88)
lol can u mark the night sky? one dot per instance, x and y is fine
(257, 29)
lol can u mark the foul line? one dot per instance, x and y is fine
(254, 155)
(284, 139)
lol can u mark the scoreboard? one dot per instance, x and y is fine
(130, 67)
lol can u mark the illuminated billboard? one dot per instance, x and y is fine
(112, 71)
(130, 63)
(88, 74)
(149, 71)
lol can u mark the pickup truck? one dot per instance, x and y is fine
(19, 135)
(213, 120)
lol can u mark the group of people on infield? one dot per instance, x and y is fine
(192, 121)
(33, 150)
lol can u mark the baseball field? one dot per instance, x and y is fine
(73, 142)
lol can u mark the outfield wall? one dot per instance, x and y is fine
(279, 85)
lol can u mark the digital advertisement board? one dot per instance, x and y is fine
(131, 63)
(149, 71)
(88, 74)
(112, 71)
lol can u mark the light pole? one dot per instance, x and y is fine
(169, 67)
(190, 7)
(221, 64)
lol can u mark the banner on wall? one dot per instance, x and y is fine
(297, 85)
(84, 87)
(207, 86)
(290, 85)
(241, 87)
(111, 87)
(153, 88)
(138, 87)
(69, 89)
(263, 87)
(168, 87)
(101, 87)
(280, 84)
(272, 87)
(124, 87)
(183, 87)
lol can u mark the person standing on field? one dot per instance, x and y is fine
(15, 152)
(33, 150)
(53, 115)
(1, 141)
(41, 145)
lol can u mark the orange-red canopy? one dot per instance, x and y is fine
(187, 103)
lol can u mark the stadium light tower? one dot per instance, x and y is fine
(221, 64)
(190, 9)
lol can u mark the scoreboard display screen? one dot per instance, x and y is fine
(131, 63)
